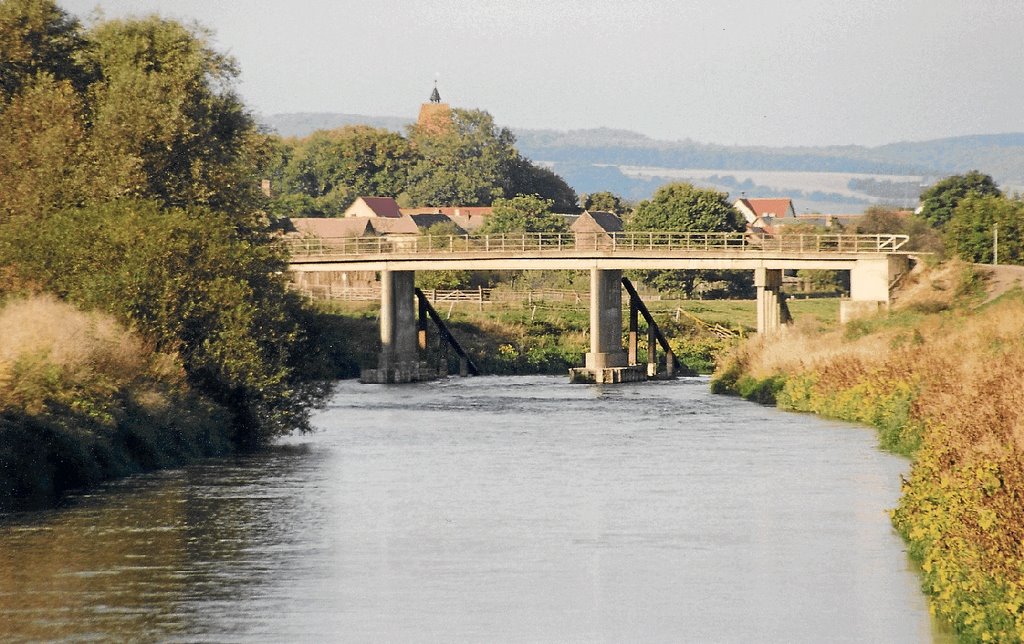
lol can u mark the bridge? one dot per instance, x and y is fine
(874, 261)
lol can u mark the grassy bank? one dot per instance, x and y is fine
(942, 378)
(82, 400)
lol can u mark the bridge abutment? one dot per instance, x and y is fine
(871, 281)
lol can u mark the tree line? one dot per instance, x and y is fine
(131, 175)
(467, 161)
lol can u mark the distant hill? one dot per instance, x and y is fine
(634, 165)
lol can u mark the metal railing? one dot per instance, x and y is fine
(556, 243)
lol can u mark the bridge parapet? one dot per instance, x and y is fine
(314, 248)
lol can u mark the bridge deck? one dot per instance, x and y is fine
(590, 250)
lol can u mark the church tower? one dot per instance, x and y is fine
(434, 115)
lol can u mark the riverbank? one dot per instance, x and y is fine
(942, 379)
(83, 400)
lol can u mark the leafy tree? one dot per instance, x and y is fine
(42, 137)
(38, 37)
(523, 214)
(530, 179)
(682, 207)
(467, 163)
(883, 220)
(193, 287)
(939, 201)
(164, 123)
(604, 201)
(335, 167)
(969, 233)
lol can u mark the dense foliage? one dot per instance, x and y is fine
(683, 207)
(187, 282)
(460, 159)
(979, 221)
(523, 214)
(939, 201)
(131, 186)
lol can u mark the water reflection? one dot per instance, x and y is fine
(489, 509)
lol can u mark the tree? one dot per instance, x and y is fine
(939, 201)
(38, 37)
(969, 233)
(882, 220)
(682, 207)
(530, 179)
(164, 122)
(335, 167)
(466, 163)
(193, 288)
(42, 137)
(604, 201)
(523, 214)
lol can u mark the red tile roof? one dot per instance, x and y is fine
(773, 207)
(379, 206)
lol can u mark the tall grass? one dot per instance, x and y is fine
(942, 378)
(83, 399)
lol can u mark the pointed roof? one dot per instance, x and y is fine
(435, 97)
(597, 221)
(769, 207)
(373, 207)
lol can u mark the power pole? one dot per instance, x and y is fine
(995, 244)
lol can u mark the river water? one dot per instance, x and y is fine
(486, 510)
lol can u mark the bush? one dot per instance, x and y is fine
(192, 285)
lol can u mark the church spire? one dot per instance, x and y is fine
(435, 97)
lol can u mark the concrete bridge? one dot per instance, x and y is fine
(874, 263)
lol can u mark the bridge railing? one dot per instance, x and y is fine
(554, 243)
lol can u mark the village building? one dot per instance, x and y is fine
(595, 229)
(765, 216)
(373, 207)
(434, 116)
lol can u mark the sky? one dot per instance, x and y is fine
(734, 72)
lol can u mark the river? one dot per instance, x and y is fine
(486, 510)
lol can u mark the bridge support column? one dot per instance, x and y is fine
(769, 309)
(871, 281)
(398, 360)
(606, 361)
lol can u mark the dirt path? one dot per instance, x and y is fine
(1000, 279)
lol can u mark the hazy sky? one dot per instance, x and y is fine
(767, 72)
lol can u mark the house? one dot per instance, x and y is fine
(765, 216)
(595, 229)
(752, 209)
(384, 207)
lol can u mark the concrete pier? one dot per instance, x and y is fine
(398, 360)
(606, 362)
(769, 310)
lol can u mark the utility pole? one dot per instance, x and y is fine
(995, 244)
